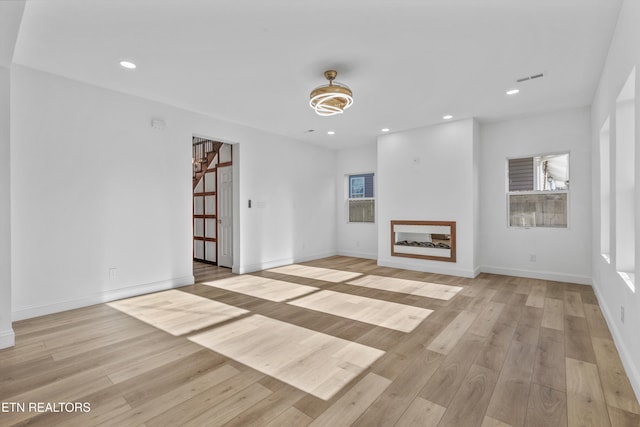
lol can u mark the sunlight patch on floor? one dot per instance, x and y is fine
(405, 286)
(391, 315)
(311, 361)
(262, 287)
(177, 312)
(318, 273)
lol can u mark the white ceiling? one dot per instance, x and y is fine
(254, 62)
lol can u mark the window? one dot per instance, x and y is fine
(356, 186)
(538, 187)
(605, 192)
(625, 188)
(361, 201)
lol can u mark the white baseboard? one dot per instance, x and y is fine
(365, 255)
(544, 275)
(7, 339)
(431, 268)
(250, 268)
(314, 257)
(630, 364)
(28, 312)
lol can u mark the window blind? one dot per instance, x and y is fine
(521, 174)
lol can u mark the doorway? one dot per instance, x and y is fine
(212, 202)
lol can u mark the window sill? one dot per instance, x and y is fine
(629, 279)
(539, 227)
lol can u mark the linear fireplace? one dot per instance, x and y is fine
(435, 240)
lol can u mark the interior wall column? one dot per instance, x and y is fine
(7, 337)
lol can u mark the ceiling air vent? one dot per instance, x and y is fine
(535, 76)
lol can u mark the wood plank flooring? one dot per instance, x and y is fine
(334, 342)
(391, 315)
(177, 312)
(311, 361)
(262, 287)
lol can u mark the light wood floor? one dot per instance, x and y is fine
(490, 351)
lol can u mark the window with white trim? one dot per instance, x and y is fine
(625, 187)
(538, 191)
(605, 191)
(361, 198)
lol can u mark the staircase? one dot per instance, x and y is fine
(204, 151)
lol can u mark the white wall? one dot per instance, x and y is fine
(291, 186)
(561, 254)
(355, 239)
(94, 187)
(6, 331)
(10, 17)
(428, 174)
(612, 292)
(476, 194)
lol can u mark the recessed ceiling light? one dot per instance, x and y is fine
(331, 132)
(385, 130)
(128, 65)
(512, 91)
(447, 117)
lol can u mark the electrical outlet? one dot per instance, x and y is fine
(113, 273)
(532, 257)
(622, 313)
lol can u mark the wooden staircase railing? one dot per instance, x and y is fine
(204, 151)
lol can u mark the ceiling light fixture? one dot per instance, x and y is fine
(331, 132)
(385, 130)
(331, 99)
(513, 91)
(447, 117)
(128, 65)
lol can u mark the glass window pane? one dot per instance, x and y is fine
(361, 211)
(356, 186)
(553, 172)
(538, 210)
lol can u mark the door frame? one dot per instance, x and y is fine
(235, 204)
